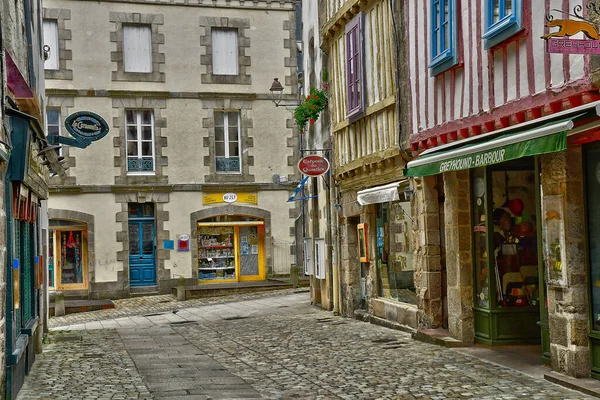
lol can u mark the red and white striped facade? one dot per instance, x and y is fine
(513, 82)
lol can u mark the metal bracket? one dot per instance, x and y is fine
(80, 143)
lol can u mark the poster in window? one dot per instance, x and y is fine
(553, 226)
(363, 247)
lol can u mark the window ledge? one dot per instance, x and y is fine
(501, 31)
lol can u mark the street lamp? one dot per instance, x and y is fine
(276, 92)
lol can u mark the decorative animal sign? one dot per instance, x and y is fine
(560, 41)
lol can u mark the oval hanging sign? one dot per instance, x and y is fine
(86, 125)
(313, 165)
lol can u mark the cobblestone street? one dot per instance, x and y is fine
(270, 346)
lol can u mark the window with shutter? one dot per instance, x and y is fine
(140, 141)
(225, 51)
(227, 142)
(137, 48)
(51, 40)
(354, 66)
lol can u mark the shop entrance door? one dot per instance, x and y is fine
(67, 255)
(142, 267)
(593, 215)
(251, 252)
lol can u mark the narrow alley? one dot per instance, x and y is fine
(274, 346)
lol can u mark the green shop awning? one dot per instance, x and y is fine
(548, 138)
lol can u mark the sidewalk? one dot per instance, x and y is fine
(154, 304)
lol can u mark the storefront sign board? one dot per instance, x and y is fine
(313, 165)
(493, 155)
(86, 126)
(217, 198)
(578, 24)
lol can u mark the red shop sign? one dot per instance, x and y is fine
(313, 165)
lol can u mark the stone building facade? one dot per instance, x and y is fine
(193, 178)
(363, 41)
(505, 243)
(24, 162)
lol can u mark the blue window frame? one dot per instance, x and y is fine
(443, 35)
(503, 18)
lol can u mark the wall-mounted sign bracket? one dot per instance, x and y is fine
(80, 143)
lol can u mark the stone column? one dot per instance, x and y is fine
(459, 264)
(562, 174)
(426, 237)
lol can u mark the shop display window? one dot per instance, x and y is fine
(394, 252)
(216, 254)
(593, 213)
(505, 238)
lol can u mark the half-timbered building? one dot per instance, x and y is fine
(503, 120)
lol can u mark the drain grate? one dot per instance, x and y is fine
(92, 355)
(235, 317)
(324, 320)
(153, 315)
(384, 340)
(66, 339)
(184, 323)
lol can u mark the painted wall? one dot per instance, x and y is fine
(512, 72)
(104, 208)
(92, 66)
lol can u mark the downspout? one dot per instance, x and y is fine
(28, 35)
(331, 287)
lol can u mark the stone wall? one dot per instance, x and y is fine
(426, 237)
(562, 174)
(459, 265)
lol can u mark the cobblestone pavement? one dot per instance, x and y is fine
(277, 347)
(151, 304)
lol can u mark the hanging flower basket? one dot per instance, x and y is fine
(311, 107)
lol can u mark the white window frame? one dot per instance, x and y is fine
(59, 125)
(308, 256)
(136, 59)
(53, 61)
(224, 63)
(226, 140)
(138, 124)
(319, 258)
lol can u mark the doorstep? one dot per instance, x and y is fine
(441, 337)
(584, 385)
(77, 306)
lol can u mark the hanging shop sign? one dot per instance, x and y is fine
(86, 126)
(560, 41)
(230, 198)
(313, 165)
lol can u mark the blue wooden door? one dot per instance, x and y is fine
(142, 268)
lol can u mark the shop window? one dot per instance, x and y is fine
(225, 51)
(320, 258)
(67, 255)
(137, 48)
(140, 141)
(53, 125)
(507, 259)
(593, 214)
(354, 66)
(394, 252)
(51, 40)
(308, 256)
(503, 18)
(227, 142)
(443, 35)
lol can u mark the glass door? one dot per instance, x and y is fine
(251, 252)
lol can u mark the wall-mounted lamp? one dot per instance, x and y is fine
(408, 193)
(276, 92)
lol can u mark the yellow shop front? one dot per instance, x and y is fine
(230, 249)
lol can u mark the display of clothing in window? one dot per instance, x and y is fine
(70, 248)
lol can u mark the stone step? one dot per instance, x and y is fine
(77, 306)
(440, 337)
(225, 289)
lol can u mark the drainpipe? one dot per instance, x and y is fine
(29, 45)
